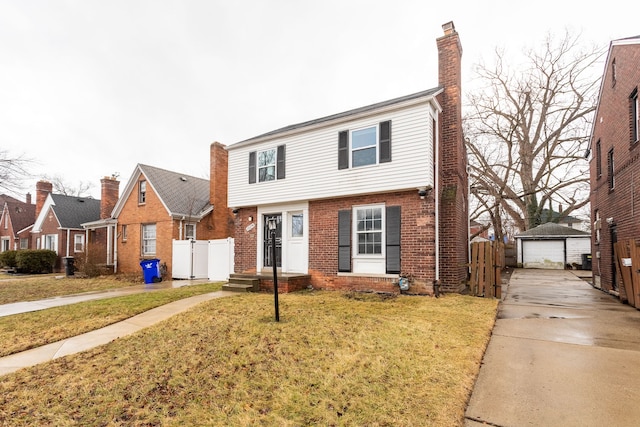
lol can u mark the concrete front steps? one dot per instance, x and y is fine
(257, 282)
(242, 283)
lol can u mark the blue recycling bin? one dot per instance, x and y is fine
(151, 270)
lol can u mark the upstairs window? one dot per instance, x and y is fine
(124, 233)
(267, 165)
(635, 116)
(142, 192)
(364, 146)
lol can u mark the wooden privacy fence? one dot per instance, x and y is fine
(627, 261)
(487, 262)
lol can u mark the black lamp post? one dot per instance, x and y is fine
(272, 230)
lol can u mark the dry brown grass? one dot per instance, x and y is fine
(46, 286)
(333, 360)
(29, 330)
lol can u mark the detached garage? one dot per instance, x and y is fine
(552, 246)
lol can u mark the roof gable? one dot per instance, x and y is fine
(22, 214)
(70, 211)
(551, 229)
(180, 194)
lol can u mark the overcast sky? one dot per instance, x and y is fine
(91, 88)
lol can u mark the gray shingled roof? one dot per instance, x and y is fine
(182, 194)
(429, 92)
(72, 211)
(551, 229)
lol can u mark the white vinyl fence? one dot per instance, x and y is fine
(203, 259)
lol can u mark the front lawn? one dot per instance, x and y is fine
(32, 288)
(334, 359)
(23, 331)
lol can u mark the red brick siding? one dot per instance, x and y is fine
(453, 168)
(613, 130)
(246, 240)
(417, 243)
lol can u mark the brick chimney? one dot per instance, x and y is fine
(222, 219)
(453, 195)
(109, 193)
(43, 188)
(28, 198)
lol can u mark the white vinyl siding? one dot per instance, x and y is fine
(312, 161)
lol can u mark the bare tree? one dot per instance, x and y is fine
(60, 186)
(13, 171)
(527, 131)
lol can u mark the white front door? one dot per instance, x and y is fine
(296, 243)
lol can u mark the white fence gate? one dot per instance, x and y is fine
(203, 259)
(190, 259)
(221, 258)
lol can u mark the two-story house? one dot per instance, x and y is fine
(16, 221)
(614, 166)
(361, 197)
(158, 206)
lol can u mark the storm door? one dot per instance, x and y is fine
(268, 246)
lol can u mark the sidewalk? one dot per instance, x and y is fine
(562, 353)
(27, 306)
(101, 336)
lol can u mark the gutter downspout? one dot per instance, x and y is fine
(68, 237)
(436, 145)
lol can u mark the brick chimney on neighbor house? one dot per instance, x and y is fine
(109, 193)
(28, 198)
(222, 218)
(453, 178)
(43, 188)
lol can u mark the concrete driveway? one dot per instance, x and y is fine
(562, 354)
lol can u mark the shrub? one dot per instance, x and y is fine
(8, 259)
(36, 261)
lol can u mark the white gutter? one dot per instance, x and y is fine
(68, 237)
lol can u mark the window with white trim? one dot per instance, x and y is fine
(148, 239)
(368, 230)
(267, 165)
(142, 192)
(364, 146)
(78, 243)
(51, 242)
(24, 243)
(190, 232)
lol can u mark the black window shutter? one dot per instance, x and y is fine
(393, 239)
(385, 142)
(252, 167)
(280, 163)
(344, 240)
(343, 150)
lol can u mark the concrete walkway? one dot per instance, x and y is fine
(101, 336)
(27, 306)
(562, 354)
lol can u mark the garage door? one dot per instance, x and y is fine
(543, 254)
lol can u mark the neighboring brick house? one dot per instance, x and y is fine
(158, 206)
(614, 164)
(58, 222)
(363, 196)
(16, 221)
